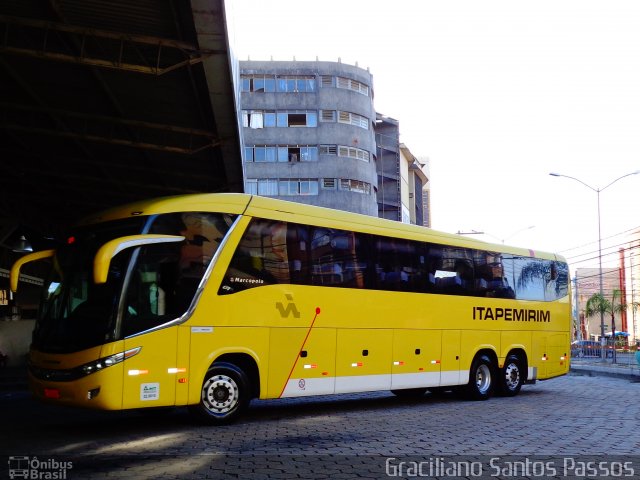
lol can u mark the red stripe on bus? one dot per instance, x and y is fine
(299, 351)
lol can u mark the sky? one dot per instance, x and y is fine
(496, 94)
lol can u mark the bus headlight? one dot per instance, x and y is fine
(102, 363)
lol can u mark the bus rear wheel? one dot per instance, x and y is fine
(511, 376)
(480, 386)
(224, 394)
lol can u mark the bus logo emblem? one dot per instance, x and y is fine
(290, 308)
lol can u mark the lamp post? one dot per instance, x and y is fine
(598, 190)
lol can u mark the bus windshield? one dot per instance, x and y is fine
(146, 286)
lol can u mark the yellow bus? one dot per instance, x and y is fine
(211, 300)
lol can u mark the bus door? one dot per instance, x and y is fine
(416, 358)
(157, 293)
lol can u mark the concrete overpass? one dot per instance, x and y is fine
(106, 102)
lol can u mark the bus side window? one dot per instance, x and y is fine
(298, 253)
(262, 258)
(400, 265)
(453, 270)
(339, 258)
(492, 278)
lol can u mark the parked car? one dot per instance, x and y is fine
(586, 348)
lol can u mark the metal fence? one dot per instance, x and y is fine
(611, 352)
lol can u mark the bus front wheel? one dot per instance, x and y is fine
(480, 386)
(511, 376)
(224, 394)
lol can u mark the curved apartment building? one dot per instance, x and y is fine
(308, 131)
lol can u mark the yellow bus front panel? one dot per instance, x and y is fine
(150, 377)
(67, 383)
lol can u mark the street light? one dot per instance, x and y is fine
(598, 190)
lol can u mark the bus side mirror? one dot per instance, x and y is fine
(14, 275)
(102, 260)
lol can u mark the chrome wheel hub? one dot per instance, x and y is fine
(483, 378)
(512, 376)
(220, 394)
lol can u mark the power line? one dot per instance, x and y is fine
(636, 229)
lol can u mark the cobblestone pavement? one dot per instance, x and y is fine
(348, 436)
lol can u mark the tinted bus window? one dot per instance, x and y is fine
(451, 269)
(165, 276)
(400, 265)
(260, 259)
(494, 275)
(338, 258)
(274, 252)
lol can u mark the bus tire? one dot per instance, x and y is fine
(409, 392)
(225, 393)
(481, 379)
(511, 376)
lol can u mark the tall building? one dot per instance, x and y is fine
(308, 130)
(413, 183)
(426, 192)
(402, 178)
(388, 167)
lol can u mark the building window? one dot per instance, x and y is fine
(271, 83)
(258, 83)
(344, 117)
(329, 183)
(270, 118)
(346, 83)
(296, 84)
(353, 152)
(328, 149)
(281, 153)
(261, 186)
(285, 187)
(264, 154)
(251, 186)
(344, 151)
(298, 186)
(352, 85)
(326, 81)
(328, 116)
(353, 119)
(355, 185)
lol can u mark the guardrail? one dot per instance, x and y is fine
(618, 353)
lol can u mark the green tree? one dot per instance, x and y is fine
(599, 304)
